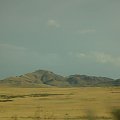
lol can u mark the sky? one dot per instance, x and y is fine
(64, 36)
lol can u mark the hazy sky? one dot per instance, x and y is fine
(64, 36)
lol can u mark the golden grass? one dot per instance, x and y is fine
(59, 103)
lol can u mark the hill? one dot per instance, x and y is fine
(43, 78)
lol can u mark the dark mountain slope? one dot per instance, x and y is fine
(84, 80)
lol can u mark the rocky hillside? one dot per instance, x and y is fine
(43, 78)
(84, 80)
(39, 78)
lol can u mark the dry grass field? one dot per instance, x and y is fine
(58, 103)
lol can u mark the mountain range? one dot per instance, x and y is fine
(44, 78)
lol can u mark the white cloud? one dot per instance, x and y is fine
(78, 55)
(81, 55)
(53, 23)
(14, 55)
(106, 58)
(100, 57)
(10, 52)
(10, 47)
(85, 31)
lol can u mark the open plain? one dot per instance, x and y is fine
(58, 103)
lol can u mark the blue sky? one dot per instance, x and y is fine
(64, 36)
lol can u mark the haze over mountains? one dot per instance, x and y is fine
(43, 78)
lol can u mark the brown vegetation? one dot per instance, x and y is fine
(92, 103)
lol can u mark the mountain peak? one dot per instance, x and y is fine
(43, 71)
(45, 77)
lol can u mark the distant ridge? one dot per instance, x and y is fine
(44, 78)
